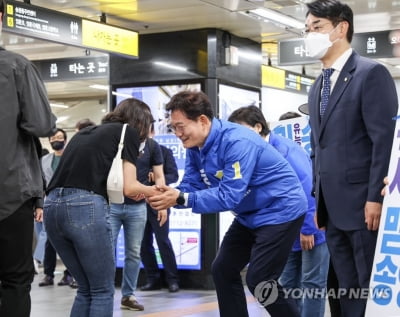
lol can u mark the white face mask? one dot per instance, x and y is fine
(141, 146)
(317, 44)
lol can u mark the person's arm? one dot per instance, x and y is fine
(378, 107)
(158, 172)
(237, 170)
(38, 214)
(159, 179)
(169, 165)
(301, 164)
(36, 117)
(132, 187)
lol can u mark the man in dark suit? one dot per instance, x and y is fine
(352, 134)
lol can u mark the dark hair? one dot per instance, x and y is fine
(81, 124)
(2, 7)
(334, 11)
(192, 103)
(289, 115)
(251, 115)
(60, 130)
(134, 112)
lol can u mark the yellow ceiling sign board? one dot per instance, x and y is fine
(45, 24)
(110, 38)
(272, 77)
(269, 47)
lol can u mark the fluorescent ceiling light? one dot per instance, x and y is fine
(172, 66)
(56, 105)
(121, 95)
(106, 87)
(276, 17)
(101, 87)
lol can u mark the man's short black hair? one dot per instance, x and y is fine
(2, 6)
(81, 124)
(250, 115)
(62, 131)
(333, 10)
(289, 115)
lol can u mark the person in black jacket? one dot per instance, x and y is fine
(25, 115)
(147, 252)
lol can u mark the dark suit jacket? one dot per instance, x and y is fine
(351, 145)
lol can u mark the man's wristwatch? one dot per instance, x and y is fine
(181, 199)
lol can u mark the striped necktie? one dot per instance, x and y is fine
(326, 89)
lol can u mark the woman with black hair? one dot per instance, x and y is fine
(76, 210)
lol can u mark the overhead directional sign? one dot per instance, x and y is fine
(283, 79)
(372, 44)
(46, 24)
(73, 68)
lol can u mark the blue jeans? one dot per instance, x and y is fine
(133, 218)
(41, 237)
(307, 271)
(77, 224)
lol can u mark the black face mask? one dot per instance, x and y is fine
(57, 145)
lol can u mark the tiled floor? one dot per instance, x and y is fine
(56, 301)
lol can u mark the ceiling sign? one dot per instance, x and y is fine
(293, 52)
(74, 68)
(272, 77)
(32, 21)
(372, 44)
(283, 79)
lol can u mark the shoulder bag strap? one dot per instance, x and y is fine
(121, 141)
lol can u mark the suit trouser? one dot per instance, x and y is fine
(164, 245)
(16, 262)
(352, 256)
(266, 249)
(332, 285)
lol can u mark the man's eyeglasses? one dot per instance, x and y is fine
(315, 28)
(177, 128)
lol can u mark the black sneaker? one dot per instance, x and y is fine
(173, 288)
(74, 284)
(47, 281)
(66, 280)
(151, 286)
(131, 303)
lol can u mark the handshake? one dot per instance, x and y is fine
(160, 198)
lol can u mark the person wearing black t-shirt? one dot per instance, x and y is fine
(76, 210)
